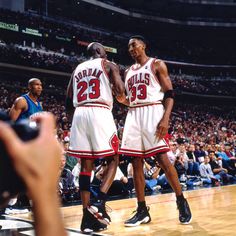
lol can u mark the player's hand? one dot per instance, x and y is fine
(36, 161)
(122, 99)
(162, 129)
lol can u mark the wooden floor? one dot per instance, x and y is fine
(213, 209)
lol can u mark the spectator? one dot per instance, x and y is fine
(217, 169)
(151, 174)
(199, 153)
(193, 165)
(206, 173)
(67, 188)
(228, 163)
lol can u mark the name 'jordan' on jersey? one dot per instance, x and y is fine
(91, 84)
(142, 85)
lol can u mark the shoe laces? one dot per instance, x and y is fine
(135, 211)
(181, 207)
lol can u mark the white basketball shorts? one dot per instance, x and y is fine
(93, 133)
(139, 137)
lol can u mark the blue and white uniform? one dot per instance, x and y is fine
(32, 108)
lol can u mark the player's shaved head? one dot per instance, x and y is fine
(35, 86)
(95, 49)
(32, 81)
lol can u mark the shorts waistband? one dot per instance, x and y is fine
(95, 104)
(146, 104)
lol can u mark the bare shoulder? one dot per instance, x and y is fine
(160, 65)
(20, 102)
(110, 64)
(20, 105)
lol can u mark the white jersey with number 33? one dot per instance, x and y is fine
(142, 84)
(91, 84)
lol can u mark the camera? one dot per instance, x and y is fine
(10, 183)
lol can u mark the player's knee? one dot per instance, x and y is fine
(87, 165)
(163, 160)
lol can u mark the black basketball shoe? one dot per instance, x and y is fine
(98, 210)
(185, 215)
(90, 223)
(141, 216)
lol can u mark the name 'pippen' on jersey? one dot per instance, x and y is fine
(140, 78)
(87, 73)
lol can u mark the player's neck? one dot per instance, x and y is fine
(33, 97)
(142, 59)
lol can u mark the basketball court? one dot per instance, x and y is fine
(213, 209)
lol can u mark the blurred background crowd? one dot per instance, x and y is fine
(47, 39)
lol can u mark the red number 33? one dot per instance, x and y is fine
(139, 92)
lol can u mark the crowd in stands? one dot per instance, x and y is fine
(185, 50)
(203, 84)
(39, 57)
(202, 137)
(53, 28)
(202, 141)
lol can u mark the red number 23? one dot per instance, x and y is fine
(94, 92)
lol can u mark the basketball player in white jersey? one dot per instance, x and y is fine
(93, 131)
(150, 98)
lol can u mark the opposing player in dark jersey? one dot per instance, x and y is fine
(150, 98)
(27, 104)
(93, 131)
(23, 108)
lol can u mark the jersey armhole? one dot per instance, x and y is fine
(104, 69)
(153, 70)
(27, 104)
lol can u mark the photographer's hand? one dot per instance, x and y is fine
(38, 162)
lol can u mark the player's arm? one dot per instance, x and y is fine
(69, 98)
(19, 106)
(166, 85)
(123, 98)
(115, 78)
(114, 74)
